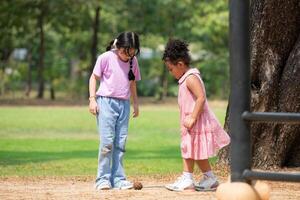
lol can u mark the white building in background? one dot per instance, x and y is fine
(19, 54)
(146, 53)
(195, 52)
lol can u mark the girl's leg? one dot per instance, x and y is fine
(203, 165)
(106, 126)
(188, 165)
(185, 181)
(209, 181)
(118, 173)
(188, 168)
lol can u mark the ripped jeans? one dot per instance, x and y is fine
(112, 122)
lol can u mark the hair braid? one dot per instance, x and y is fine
(131, 76)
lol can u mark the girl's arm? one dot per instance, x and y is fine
(93, 107)
(134, 98)
(194, 85)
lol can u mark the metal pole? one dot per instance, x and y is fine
(278, 117)
(240, 151)
(272, 176)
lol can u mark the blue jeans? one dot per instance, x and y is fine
(112, 122)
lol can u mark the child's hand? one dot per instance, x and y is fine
(189, 122)
(135, 110)
(93, 107)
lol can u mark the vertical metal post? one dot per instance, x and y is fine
(240, 151)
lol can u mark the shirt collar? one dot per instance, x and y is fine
(187, 73)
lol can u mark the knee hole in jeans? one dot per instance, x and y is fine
(106, 149)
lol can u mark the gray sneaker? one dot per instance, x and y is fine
(123, 185)
(103, 185)
(207, 184)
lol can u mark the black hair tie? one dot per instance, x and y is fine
(131, 76)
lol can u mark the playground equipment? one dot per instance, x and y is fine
(239, 107)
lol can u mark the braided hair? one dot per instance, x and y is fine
(127, 40)
(131, 75)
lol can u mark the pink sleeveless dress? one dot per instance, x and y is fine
(207, 135)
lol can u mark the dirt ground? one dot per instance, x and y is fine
(82, 188)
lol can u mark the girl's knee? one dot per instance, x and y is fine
(105, 149)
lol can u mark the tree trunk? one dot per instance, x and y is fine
(29, 75)
(4, 57)
(163, 84)
(94, 41)
(41, 54)
(52, 91)
(275, 81)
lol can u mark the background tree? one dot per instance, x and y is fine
(72, 41)
(12, 24)
(202, 24)
(275, 81)
(209, 30)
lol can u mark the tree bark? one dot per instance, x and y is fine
(275, 81)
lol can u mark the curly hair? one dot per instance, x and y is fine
(176, 50)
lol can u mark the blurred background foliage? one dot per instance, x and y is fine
(48, 48)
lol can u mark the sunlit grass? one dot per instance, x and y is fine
(64, 141)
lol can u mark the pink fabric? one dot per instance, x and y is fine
(207, 136)
(113, 74)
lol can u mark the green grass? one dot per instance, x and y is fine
(63, 141)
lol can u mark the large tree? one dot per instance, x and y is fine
(275, 81)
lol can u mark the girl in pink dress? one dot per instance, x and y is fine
(201, 133)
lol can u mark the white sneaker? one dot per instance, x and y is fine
(104, 185)
(207, 184)
(123, 185)
(182, 183)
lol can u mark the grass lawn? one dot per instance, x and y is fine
(63, 141)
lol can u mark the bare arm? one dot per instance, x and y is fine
(194, 85)
(93, 108)
(134, 98)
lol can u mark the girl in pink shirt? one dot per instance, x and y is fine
(117, 70)
(201, 133)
